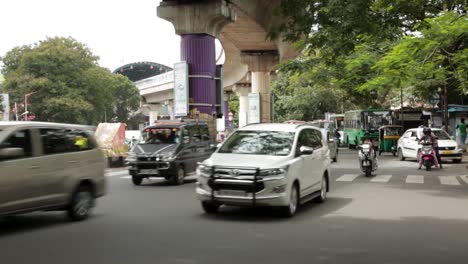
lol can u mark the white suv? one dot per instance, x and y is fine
(281, 165)
(409, 147)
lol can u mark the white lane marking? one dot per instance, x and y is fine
(381, 178)
(449, 180)
(415, 179)
(464, 178)
(189, 177)
(347, 177)
(116, 173)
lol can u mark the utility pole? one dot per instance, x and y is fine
(401, 108)
(446, 118)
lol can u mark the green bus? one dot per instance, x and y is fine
(357, 122)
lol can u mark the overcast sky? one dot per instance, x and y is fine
(118, 31)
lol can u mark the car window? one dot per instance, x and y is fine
(414, 134)
(160, 135)
(55, 141)
(309, 138)
(19, 139)
(316, 137)
(195, 132)
(204, 133)
(274, 143)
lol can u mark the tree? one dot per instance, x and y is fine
(335, 27)
(353, 41)
(67, 83)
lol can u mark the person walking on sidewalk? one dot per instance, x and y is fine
(462, 133)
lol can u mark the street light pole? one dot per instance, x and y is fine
(26, 105)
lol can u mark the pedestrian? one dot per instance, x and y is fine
(462, 133)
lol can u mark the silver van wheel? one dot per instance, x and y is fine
(81, 204)
(291, 209)
(323, 191)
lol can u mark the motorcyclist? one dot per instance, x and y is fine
(367, 139)
(427, 137)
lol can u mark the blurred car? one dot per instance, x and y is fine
(409, 147)
(49, 166)
(279, 165)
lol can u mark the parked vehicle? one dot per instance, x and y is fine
(338, 121)
(388, 138)
(332, 143)
(357, 122)
(279, 165)
(367, 159)
(409, 147)
(49, 166)
(170, 150)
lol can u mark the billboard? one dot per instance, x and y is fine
(181, 89)
(254, 108)
(5, 109)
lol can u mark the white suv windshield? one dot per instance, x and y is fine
(259, 143)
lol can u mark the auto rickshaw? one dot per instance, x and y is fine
(388, 137)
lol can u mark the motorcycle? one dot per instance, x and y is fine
(367, 160)
(427, 155)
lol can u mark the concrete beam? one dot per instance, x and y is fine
(260, 61)
(197, 17)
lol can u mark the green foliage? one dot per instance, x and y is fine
(234, 107)
(368, 51)
(67, 83)
(337, 26)
(435, 59)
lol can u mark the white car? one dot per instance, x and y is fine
(280, 165)
(409, 147)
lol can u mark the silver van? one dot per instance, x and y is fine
(49, 166)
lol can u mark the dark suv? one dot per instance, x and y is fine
(169, 150)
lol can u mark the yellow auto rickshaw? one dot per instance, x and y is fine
(388, 138)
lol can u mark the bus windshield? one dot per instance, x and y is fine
(374, 120)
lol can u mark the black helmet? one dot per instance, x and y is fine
(427, 131)
(366, 133)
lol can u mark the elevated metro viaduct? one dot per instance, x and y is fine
(241, 26)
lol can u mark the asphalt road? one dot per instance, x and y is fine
(402, 215)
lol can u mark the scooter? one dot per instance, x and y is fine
(427, 155)
(367, 159)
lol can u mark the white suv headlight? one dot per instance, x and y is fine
(274, 172)
(204, 171)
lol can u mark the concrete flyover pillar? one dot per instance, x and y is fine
(260, 64)
(198, 23)
(242, 90)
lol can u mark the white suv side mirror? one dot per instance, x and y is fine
(306, 150)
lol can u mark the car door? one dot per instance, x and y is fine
(320, 158)
(187, 153)
(18, 173)
(310, 162)
(413, 144)
(54, 148)
(405, 141)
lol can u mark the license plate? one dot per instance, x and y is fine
(148, 171)
(447, 152)
(366, 163)
(231, 193)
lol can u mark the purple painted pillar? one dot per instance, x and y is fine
(198, 50)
